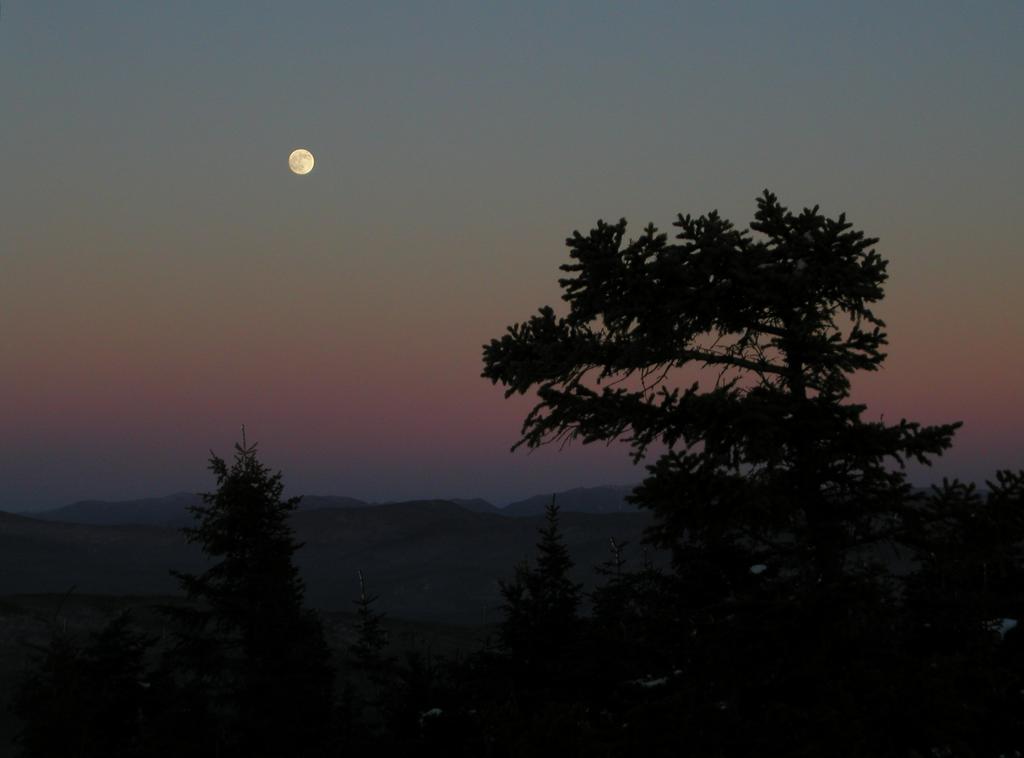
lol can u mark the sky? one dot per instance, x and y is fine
(165, 279)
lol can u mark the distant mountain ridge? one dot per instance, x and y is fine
(476, 504)
(428, 559)
(172, 510)
(610, 498)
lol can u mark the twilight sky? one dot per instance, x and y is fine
(164, 278)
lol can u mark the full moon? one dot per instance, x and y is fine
(301, 161)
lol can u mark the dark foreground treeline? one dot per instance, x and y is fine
(888, 660)
(815, 605)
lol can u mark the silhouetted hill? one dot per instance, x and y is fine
(429, 560)
(476, 504)
(172, 510)
(154, 511)
(48, 556)
(606, 499)
(319, 502)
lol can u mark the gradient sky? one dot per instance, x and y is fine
(164, 278)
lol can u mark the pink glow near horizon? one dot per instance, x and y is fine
(163, 278)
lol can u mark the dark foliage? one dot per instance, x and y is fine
(815, 605)
(635, 621)
(87, 699)
(766, 459)
(783, 507)
(251, 663)
(371, 638)
(963, 603)
(541, 629)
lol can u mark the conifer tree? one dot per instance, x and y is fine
(965, 603)
(541, 624)
(250, 651)
(371, 637)
(732, 351)
(88, 698)
(633, 617)
(768, 444)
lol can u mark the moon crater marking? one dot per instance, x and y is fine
(301, 161)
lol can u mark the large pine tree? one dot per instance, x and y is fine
(766, 453)
(255, 659)
(730, 353)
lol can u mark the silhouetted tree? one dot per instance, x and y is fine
(965, 600)
(771, 444)
(90, 699)
(405, 706)
(970, 551)
(634, 620)
(256, 672)
(371, 637)
(733, 350)
(541, 624)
